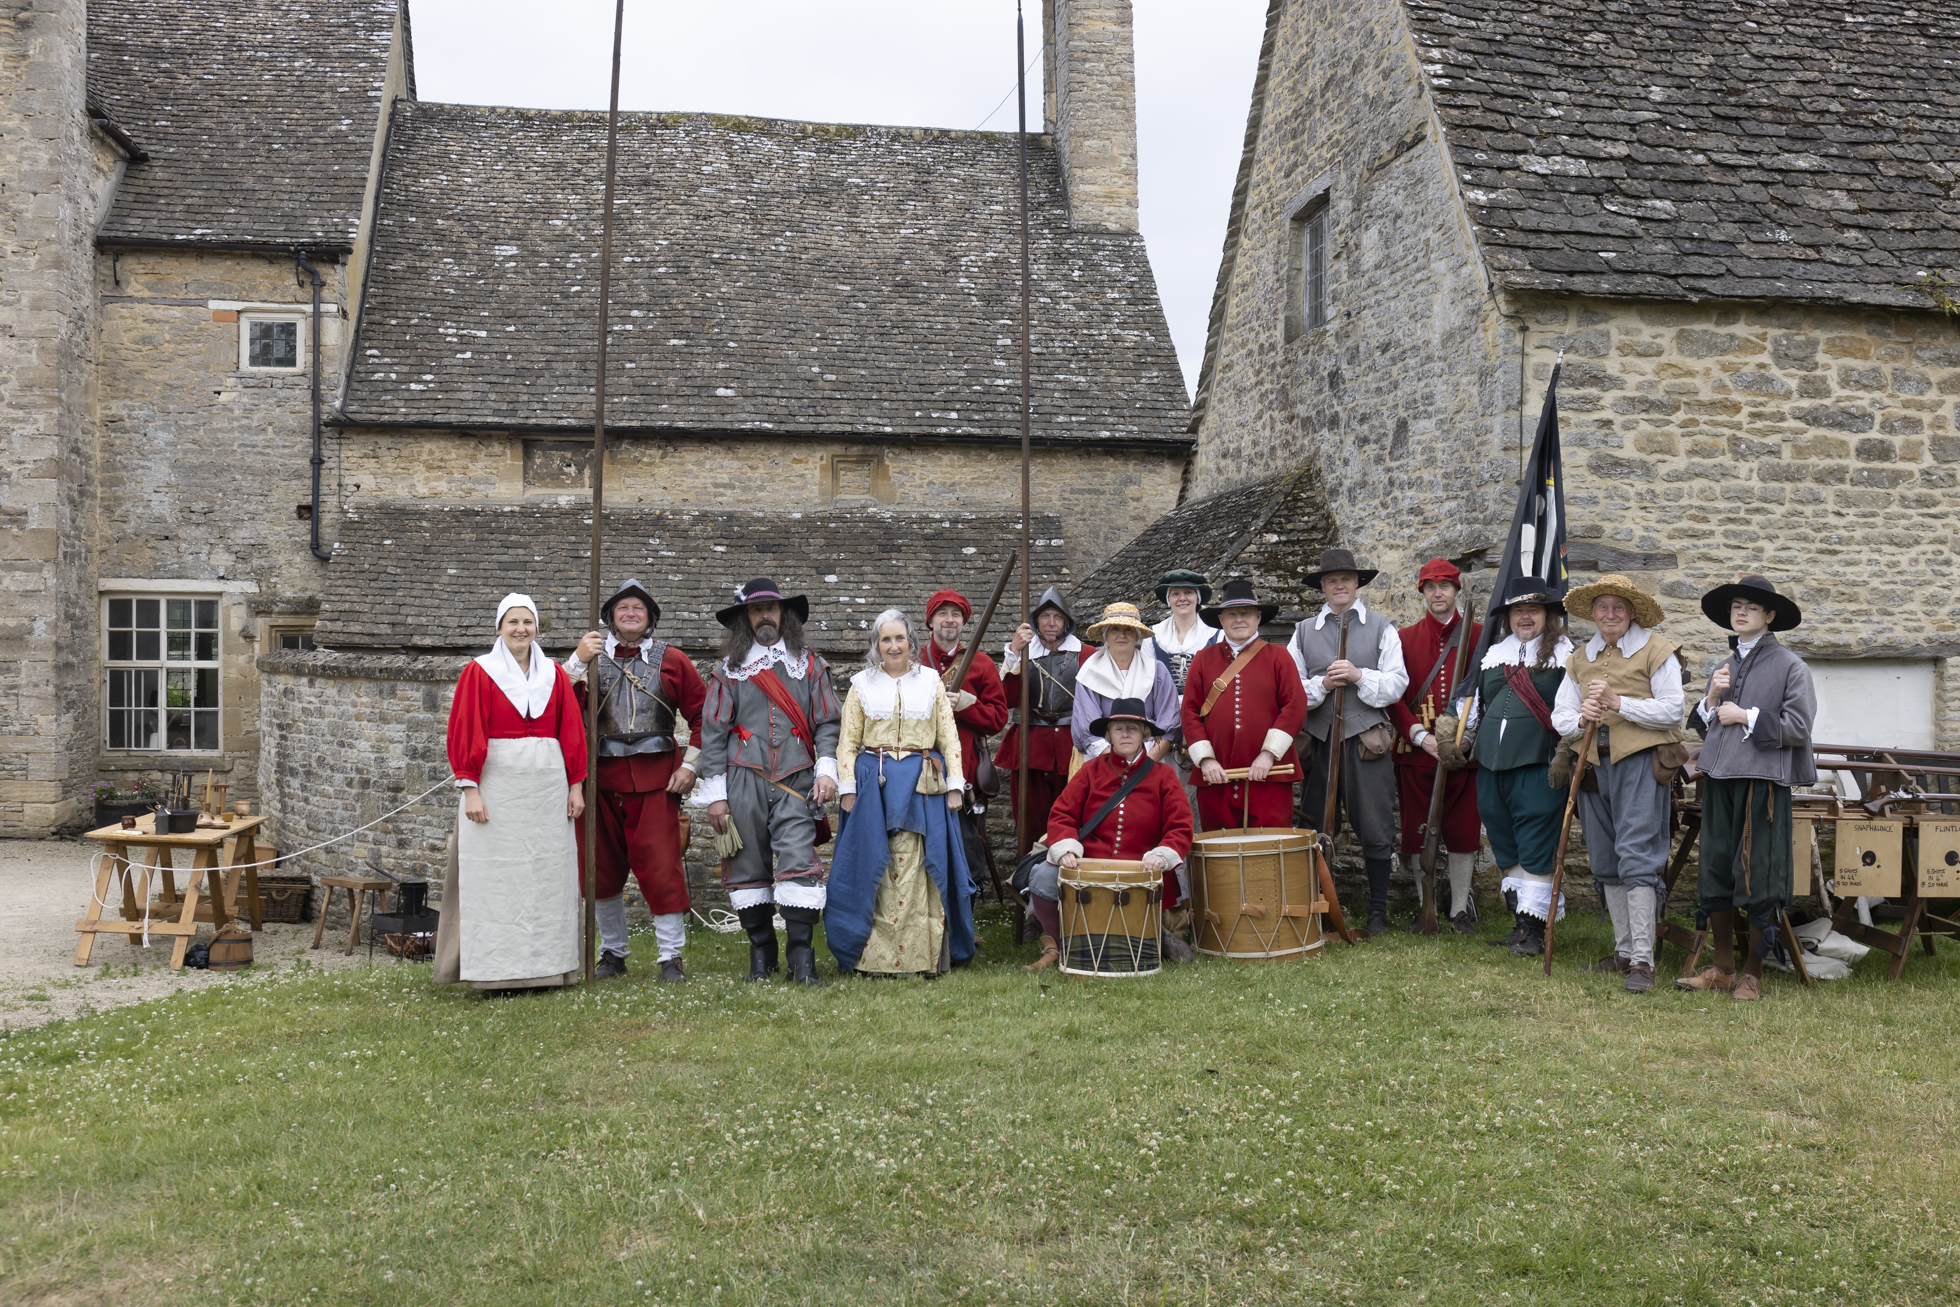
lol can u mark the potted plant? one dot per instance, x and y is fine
(115, 801)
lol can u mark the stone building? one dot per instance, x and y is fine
(1734, 226)
(208, 484)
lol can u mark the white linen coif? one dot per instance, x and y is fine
(528, 692)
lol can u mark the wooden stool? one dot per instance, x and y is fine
(356, 887)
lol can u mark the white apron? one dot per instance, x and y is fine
(517, 874)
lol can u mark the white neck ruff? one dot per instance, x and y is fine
(762, 657)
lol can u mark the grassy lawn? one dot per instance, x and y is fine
(1410, 1121)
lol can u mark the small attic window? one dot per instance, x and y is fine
(1308, 256)
(271, 342)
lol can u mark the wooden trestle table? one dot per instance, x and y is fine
(141, 860)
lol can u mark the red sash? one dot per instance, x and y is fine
(778, 694)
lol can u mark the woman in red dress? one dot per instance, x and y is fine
(510, 901)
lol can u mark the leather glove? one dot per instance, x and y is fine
(1559, 774)
(1449, 754)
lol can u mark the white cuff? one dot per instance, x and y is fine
(1062, 848)
(1316, 687)
(1200, 751)
(827, 766)
(1277, 743)
(688, 757)
(574, 668)
(1096, 747)
(1164, 854)
(847, 782)
(462, 784)
(1749, 727)
(1417, 734)
(710, 789)
(1010, 661)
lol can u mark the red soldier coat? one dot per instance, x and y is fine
(1154, 815)
(989, 711)
(1422, 645)
(1264, 707)
(482, 712)
(645, 773)
(1050, 748)
(1415, 770)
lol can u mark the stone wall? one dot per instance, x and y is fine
(1818, 446)
(1089, 60)
(1407, 396)
(53, 171)
(1107, 496)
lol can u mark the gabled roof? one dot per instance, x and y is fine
(1271, 531)
(769, 277)
(257, 117)
(1751, 149)
(426, 577)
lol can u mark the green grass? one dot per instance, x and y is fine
(1409, 1121)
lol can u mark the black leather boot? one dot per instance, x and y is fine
(1518, 927)
(800, 925)
(760, 924)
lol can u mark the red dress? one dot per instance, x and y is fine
(1415, 770)
(1050, 749)
(482, 712)
(1153, 815)
(1264, 704)
(639, 822)
(989, 712)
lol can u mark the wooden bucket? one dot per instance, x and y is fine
(231, 951)
(1255, 894)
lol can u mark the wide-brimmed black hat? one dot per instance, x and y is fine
(1238, 594)
(632, 589)
(1183, 578)
(1340, 560)
(1784, 614)
(1529, 590)
(757, 590)
(1124, 710)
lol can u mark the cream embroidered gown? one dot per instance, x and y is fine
(908, 924)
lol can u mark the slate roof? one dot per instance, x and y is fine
(258, 116)
(769, 277)
(1755, 149)
(1271, 531)
(426, 577)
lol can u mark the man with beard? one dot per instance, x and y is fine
(768, 765)
(979, 707)
(643, 684)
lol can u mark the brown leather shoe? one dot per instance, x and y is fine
(1050, 955)
(1748, 988)
(1611, 964)
(1709, 978)
(1640, 977)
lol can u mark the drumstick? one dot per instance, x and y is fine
(1245, 773)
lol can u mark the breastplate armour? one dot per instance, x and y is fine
(1052, 693)
(633, 717)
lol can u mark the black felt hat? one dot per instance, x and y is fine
(1528, 590)
(759, 589)
(632, 589)
(1124, 710)
(1183, 578)
(1238, 594)
(1340, 560)
(1784, 614)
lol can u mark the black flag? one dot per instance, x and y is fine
(1536, 545)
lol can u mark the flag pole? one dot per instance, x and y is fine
(1027, 560)
(588, 923)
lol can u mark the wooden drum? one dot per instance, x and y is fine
(1112, 916)
(1256, 894)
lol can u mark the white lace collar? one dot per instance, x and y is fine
(1165, 636)
(881, 694)
(1508, 651)
(529, 693)
(763, 657)
(1101, 674)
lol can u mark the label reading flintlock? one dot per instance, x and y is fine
(1939, 859)
(1869, 858)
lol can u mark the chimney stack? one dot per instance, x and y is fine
(1090, 104)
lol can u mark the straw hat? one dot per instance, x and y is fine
(1646, 609)
(1124, 616)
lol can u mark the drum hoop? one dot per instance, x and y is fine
(1152, 883)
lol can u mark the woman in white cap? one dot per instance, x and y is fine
(517, 745)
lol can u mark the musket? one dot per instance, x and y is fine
(1565, 834)
(1334, 752)
(1432, 829)
(958, 678)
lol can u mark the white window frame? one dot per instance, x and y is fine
(249, 316)
(162, 666)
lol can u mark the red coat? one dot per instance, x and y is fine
(644, 773)
(989, 712)
(1050, 748)
(1422, 645)
(481, 713)
(1155, 814)
(1266, 696)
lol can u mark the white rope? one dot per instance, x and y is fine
(719, 920)
(94, 873)
(240, 866)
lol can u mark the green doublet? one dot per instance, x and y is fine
(1522, 742)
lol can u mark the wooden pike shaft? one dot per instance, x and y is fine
(980, 631)
(1021, 766)
(588, 922)
(1335, 748)
(1564, 835)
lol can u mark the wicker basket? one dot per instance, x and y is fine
(283, 897)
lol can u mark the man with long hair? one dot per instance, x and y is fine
(768, 765)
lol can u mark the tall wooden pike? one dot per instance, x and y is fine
(588, 924)
(1564, 835)
(1324, 851)
(1432, 829)
(1021, 764)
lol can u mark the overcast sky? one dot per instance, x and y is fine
(915, 63)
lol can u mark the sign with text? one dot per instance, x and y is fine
(1939, 859)
(1870, 858)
